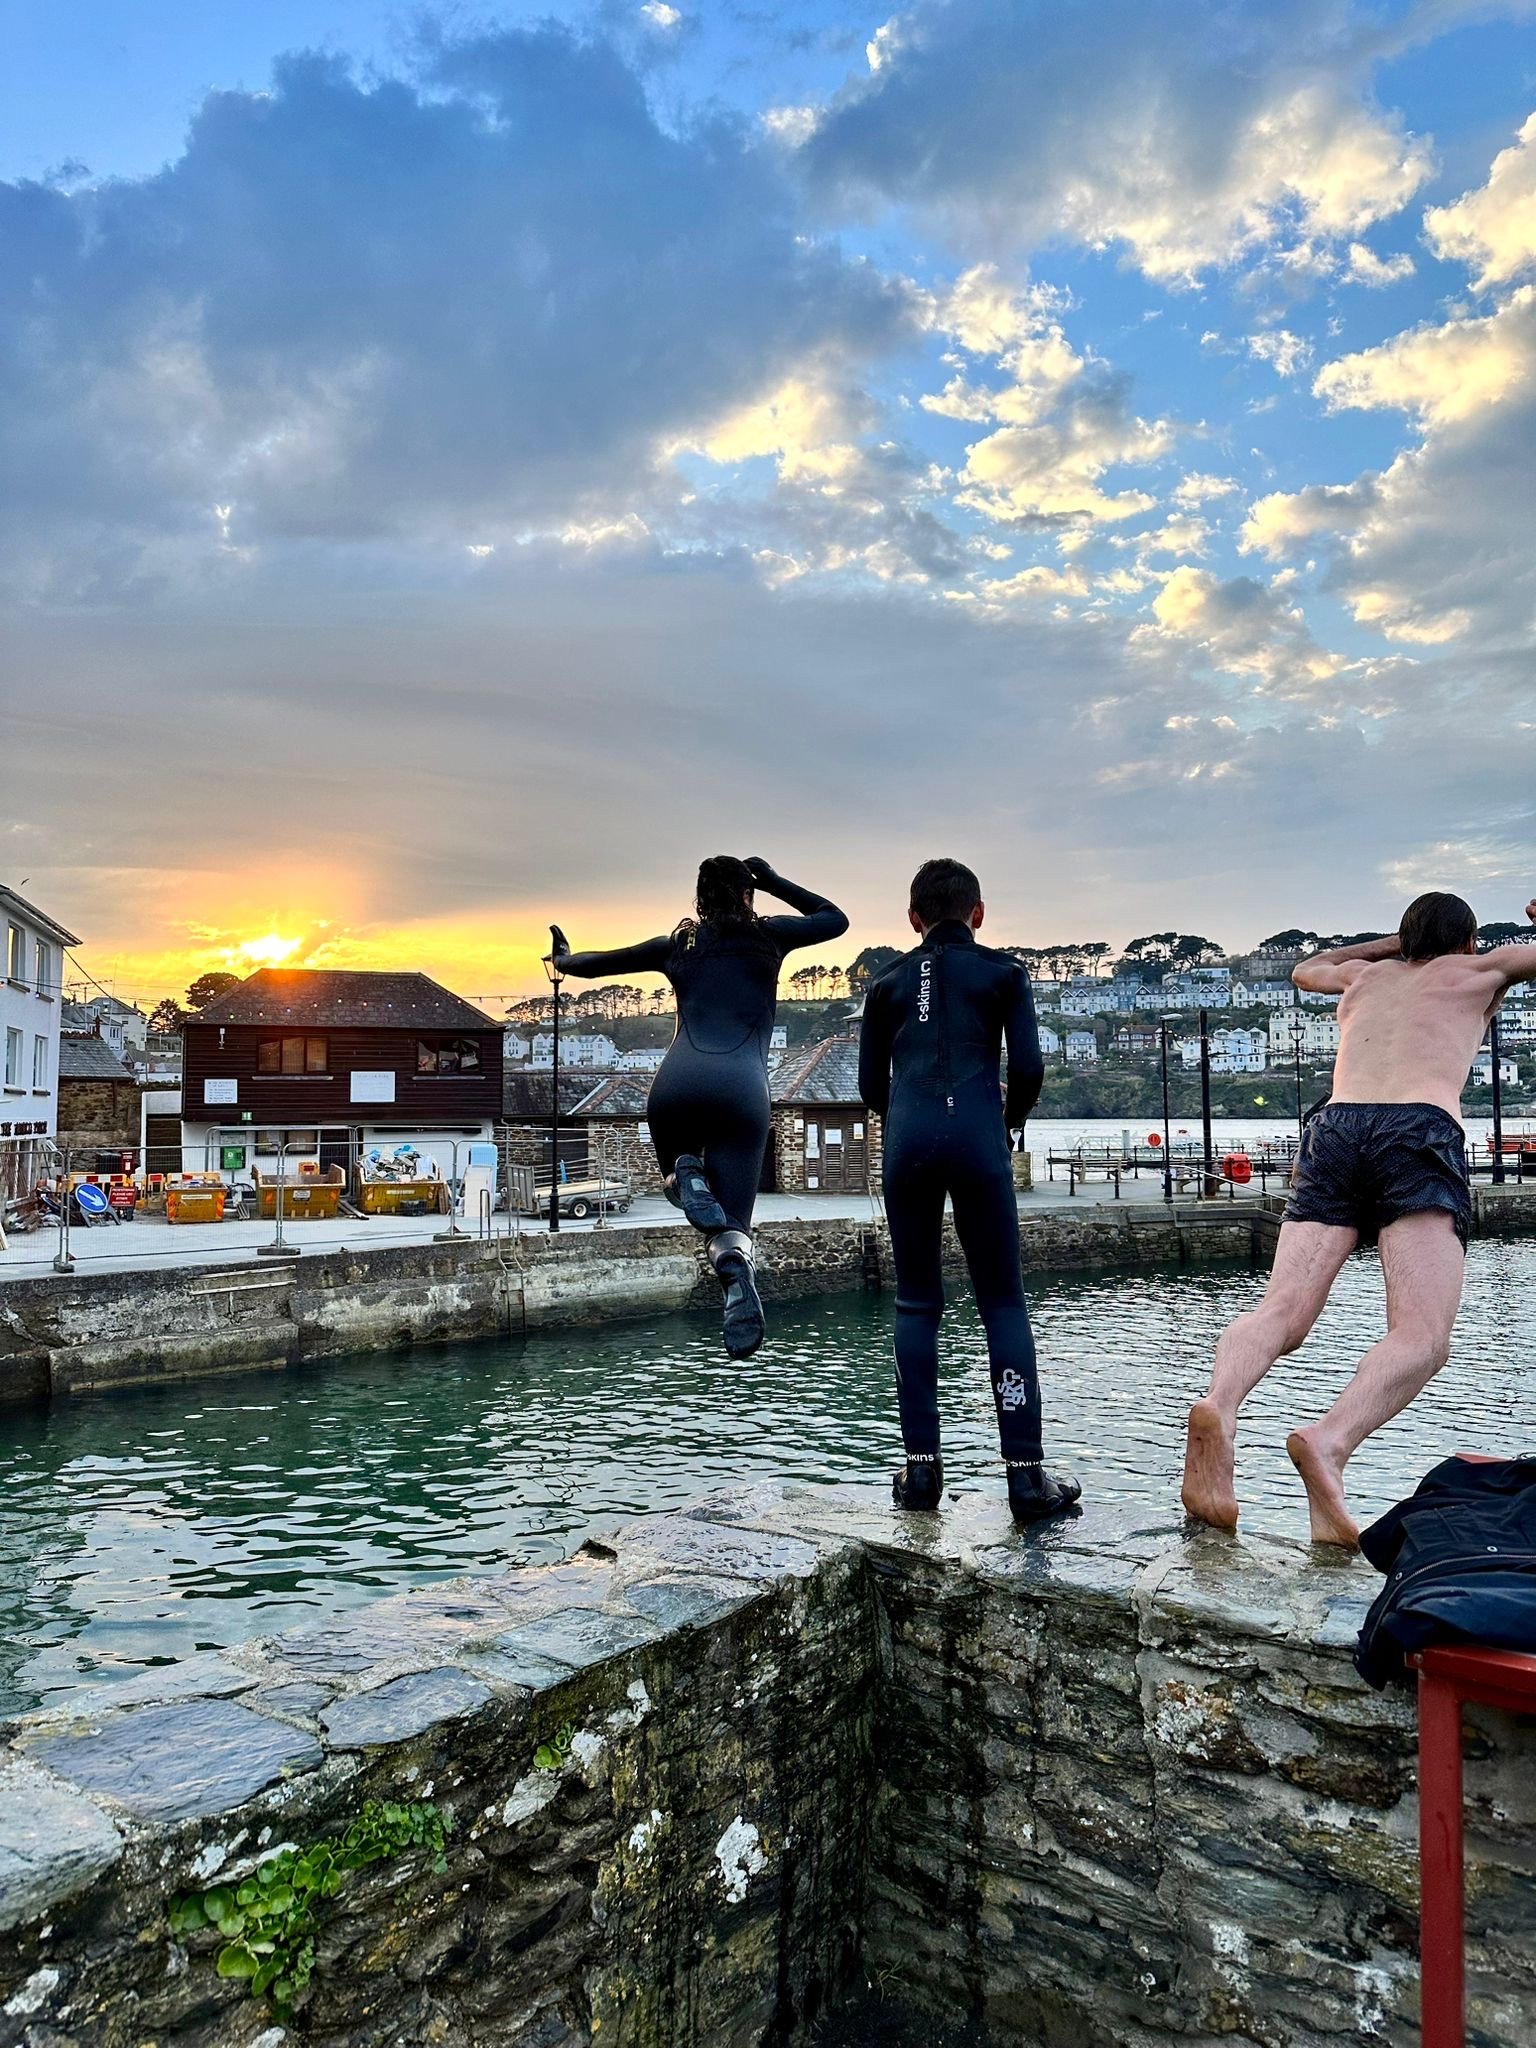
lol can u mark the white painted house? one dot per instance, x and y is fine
(1232, 1052)
(1315, 1031)
(31, 1006)
(1482, 1070)
(1082, 1048)
(577, 1049)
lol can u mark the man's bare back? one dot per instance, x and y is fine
(1409, 1030)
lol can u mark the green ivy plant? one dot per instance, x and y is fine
(555, 1754)
(270, 1919)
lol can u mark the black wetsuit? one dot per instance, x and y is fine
(710, 1094)
(934, 1028)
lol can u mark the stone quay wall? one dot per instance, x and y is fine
(1099, 1785)
(86, 1332)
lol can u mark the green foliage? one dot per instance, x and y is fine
(269, 1920)
(209, 987)
(555, 1754)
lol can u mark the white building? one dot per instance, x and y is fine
(645, 1059)
(31, 1007)
(1050, 1042)
(123, 1026)
(577, 1049)
(1232, 1052)
(1517, 1025)
(1082, 1048)
(1200, 987)
(1316, 1032)
(1264, 995)
(514, 1046)
(778, 1038)
(1482, 1070)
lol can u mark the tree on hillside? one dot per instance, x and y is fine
(866, 965)
(1190, 950)
(167, 1015)
(1505, 934)
(1292, 940)
(209, 987)
(1095, 952)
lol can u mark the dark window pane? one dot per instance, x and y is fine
(293, 1055)
(268, 1056)
(314, 1056)
(469, 1056)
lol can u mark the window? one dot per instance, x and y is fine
(12, 1057)
(39, 1062)
(447, 1056)
(44, 978)
(16, 954)
(292, 1056)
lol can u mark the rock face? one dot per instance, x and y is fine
(1098, 1786)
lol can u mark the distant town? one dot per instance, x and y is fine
(389, 1084)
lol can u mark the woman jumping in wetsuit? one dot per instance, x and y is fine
(709, 1104)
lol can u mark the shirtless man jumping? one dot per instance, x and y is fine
(1385, 1160)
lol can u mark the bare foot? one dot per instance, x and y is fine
(1322, 1474)
(1209, 1492)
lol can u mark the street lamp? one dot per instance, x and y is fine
(552, 970)
(1298, 1029)
(1498, 1101)
(1162, 1032)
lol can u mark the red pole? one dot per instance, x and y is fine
(1441, 1924)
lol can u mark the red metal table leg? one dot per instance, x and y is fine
(1441, 1921)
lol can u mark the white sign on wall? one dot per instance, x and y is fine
(373, 1085)
(221, 1091)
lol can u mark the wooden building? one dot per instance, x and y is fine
(337, 1063)
(823, 1140)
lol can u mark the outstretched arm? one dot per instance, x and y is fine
(875, 1052)
(1514, 963)
(1026, 1063)
(819, 921)
(649, 957)
(1327, 974)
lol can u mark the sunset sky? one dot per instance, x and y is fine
(464, 466)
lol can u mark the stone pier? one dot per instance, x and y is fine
(736, 1770)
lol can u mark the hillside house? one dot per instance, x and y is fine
(1314, 1033)
(1232, 1052)
(1263, 995)
(336, 1063)
(1082, 1048)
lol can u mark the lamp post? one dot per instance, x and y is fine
(1297, 1029)
(552, 969)
(1162, 1030)
(1498, 1102)
(1205, 1104)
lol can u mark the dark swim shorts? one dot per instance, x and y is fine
(1367, 1164)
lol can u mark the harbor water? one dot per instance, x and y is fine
(139, 1529)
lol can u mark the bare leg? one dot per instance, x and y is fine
(1422, 1262)
(1307, 1262)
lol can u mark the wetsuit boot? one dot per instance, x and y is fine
(730, 1253)
(919, 1485)
(688, 1189)
(1035, 1494)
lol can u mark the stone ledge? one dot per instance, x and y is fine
(1099, 1782)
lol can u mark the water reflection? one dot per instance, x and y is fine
(138, 1529)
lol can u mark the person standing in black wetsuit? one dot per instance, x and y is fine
(934, 1027)
(709, 1103)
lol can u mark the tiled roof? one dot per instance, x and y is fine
(525, 1093)
(345, 998)
(828, 1072)
(85, 1057)
(622, 1095)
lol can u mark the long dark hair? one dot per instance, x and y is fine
(720, 901)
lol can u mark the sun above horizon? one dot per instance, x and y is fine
(271, 950)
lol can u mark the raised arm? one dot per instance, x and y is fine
(649, 957)
(875, 1051)
(1026, 1063)
(1327, 974)
(819, 921)
(1514, 963)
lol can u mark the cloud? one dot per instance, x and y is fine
(1197, 487)
(1495, 226)
(1243, 627)
(1285, 352)
(1189, 132)
(1277, 522)
(1441, 373)
(1367, 268)
(350, 310)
